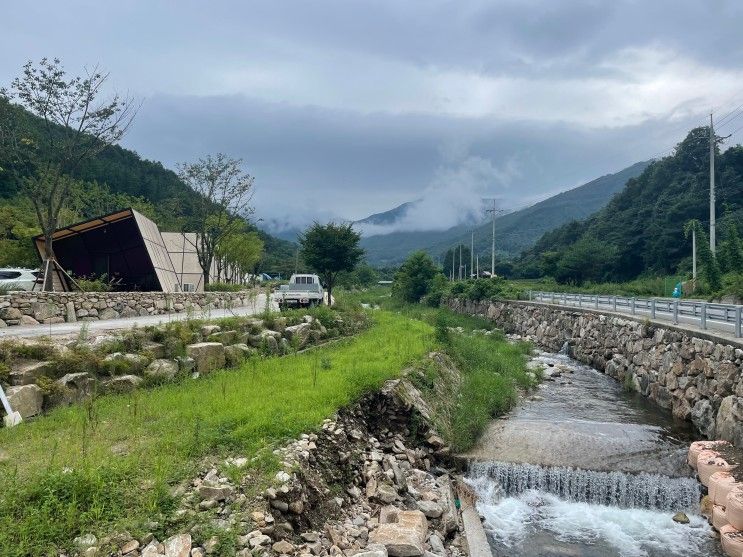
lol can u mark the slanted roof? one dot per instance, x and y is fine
(137, 249)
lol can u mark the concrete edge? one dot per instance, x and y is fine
(474, 533)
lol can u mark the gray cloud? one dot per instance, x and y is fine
(342, 109)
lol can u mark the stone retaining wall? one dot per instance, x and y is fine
(33, 308)
(696, 375)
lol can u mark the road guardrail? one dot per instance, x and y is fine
(706, 315)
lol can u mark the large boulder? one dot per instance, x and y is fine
(405, 537)
(10, 314)
(42, 311)
(74, 387)
(237, 354)
(730, 420)
(108, 313)
(27, 373)
(207, 356)
(121, 384)
(162, 369)
(126, 363)
(298, 335)
(27, 400)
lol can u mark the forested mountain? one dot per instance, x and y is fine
(114, 179)
(514, 231)
(641, 230)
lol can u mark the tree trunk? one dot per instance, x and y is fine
(47, 263)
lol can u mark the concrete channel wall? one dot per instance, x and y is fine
(695, 374)
(33, 308)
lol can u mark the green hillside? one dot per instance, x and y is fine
(514, 232)
(116, 178)
(641, 230)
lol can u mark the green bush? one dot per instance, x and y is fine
(415, 278)
(224, 287)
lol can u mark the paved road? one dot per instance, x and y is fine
(98, 327)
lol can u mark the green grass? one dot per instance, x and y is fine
(493, 371)
(111, 463)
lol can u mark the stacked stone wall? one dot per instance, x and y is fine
(33, 308)
(696, 375)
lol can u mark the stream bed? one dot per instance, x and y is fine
(583, 468)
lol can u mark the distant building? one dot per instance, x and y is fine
(129, 248)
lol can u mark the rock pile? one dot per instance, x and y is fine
(369, 483)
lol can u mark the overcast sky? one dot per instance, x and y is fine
(342, 109)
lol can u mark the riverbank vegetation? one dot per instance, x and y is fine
(112, 463)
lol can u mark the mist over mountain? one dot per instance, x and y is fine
(390, 236)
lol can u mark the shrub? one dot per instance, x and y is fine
(224, 287)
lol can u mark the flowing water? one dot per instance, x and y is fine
(584, 469)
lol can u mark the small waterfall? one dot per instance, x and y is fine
(643, 491)
(565, 350)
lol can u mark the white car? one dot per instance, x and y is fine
(18, 279)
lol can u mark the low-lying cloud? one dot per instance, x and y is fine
(456, 195)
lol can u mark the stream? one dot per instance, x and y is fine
(583, 468)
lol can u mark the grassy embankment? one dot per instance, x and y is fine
(111, 464)
(90, 468)
(493, 370)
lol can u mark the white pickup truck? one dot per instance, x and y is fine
(302, 291)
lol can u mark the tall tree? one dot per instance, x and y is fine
(223, 204)
(415, 277)
(79, 123)
(330, 249)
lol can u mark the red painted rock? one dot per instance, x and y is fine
(720, 484)
(734, 507)
(719, 517)
(710, 462)
(732, 541)
(699, 446)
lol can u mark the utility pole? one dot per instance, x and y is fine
(472, 253)
(477, 273)
(493, 212)
(453, 253)
(711, 185)
(694, 256)
(460, 261)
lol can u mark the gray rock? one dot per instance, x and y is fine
(210, 492)
(108, 313)
(27, 320)
(29, 372)
(10, 314)
(162, 369)
(178, 546)
(236, 354)
(703, 417)
(74, 387)
(405, 537)
(385, 493)
(208, 356)
(27, 400)
(430, 508)
(121, 384)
